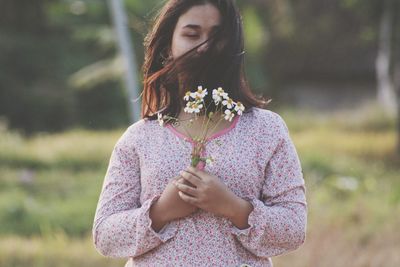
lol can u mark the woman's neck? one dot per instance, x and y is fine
(187, 116)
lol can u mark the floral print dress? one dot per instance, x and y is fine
(256, 159)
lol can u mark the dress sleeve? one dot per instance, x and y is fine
(277, 221)
(122, 227)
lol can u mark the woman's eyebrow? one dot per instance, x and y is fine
(196, 27)
(192, 26)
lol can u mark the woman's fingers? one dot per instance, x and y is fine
(191, 178)
(176, 178)
(199, 174)
(186, 189)
(188, 199)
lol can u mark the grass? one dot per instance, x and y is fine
(75, 149)
(52, 250)
(49, 186)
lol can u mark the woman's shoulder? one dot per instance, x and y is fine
(267, 118)
(269, 128)
(139, 131)
(142, 125)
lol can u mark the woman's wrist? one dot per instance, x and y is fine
(157, 216)
(239, 213)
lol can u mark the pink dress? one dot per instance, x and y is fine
(254, 157)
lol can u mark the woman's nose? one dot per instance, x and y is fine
(203, 48)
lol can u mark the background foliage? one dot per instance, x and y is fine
(63, 107)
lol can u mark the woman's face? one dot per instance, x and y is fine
(194, 27)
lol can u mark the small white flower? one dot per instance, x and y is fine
(229, 115)
(160, 119)
(222, 93)
(200, 92)
(198, 98)
(196, 106)
(193, 106)
(187, 96)
(193, 94)
(228, 103)
(188, 108)
(216, 99)
(218, 95)
(239, 108)
(210, 161)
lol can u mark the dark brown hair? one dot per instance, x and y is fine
(222, 65)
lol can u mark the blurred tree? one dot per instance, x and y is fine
(113, 67)
(43, 43)
(123, 36)
(30, 97)
(386, 15)
(396, 66)
(386, 93)
(110, 68)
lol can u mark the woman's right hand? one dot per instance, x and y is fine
(169, 206)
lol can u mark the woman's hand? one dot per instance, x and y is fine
(207, 192)
(169, 207)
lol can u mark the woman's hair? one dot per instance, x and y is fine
(165, 80)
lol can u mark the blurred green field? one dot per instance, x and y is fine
(49, 187)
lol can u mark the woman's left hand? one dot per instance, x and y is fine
(209, 193)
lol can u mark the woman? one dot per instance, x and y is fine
(248, 206)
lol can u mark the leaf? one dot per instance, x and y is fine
(195, 161)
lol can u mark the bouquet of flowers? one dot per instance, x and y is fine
(195, 103)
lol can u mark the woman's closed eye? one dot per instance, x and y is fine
(191, 35)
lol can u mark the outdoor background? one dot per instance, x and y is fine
(331, 67)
